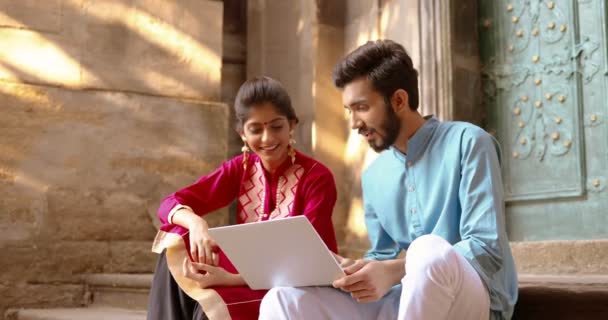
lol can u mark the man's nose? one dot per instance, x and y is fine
(355, 123)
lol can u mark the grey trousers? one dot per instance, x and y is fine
(167, 301)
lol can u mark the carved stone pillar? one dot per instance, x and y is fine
(449, 67)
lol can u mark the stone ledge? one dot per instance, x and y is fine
(569, 282)
(589, 257)
(74, 313)
(135, 281)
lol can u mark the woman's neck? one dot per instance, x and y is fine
(274, 166)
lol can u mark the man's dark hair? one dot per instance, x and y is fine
(260, 90)
(386, 64)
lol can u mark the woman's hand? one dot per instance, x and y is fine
(202, 246)
(214, 276)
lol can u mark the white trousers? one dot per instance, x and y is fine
(439, 283)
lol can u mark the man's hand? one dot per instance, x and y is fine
(366, 280)
(343, 262)
(214, 276)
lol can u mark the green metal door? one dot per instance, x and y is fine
(544, 84)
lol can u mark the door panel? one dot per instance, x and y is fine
(544, 85)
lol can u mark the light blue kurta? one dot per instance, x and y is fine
(449, 184)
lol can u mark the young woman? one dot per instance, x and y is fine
(270, 180)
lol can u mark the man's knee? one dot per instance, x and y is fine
(272, 300)
(279, 301)
(430, 253)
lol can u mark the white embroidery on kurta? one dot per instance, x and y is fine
(253, 193)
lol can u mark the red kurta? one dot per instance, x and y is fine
(303, 188)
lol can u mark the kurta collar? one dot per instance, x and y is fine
(417, 144)
(281, 169)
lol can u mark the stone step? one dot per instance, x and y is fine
(125, 296)
(129, 291)
(562, 297)
(91, 313)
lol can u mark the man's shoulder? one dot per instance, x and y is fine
(464, 131)
(469, 138)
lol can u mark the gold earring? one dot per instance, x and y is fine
(292, 150)
(245, 151)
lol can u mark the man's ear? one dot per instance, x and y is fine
(400, 101)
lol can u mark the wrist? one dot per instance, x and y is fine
(236, 280)
(186, 218)
(195, 221)
(395, 268)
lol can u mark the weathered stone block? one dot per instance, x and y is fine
(52, 262)
(466, 82)
(24, 14)
(130, 257)
(361, 29)
(33, 57)
(150, 46)
(169, 48)
(561, 257)
(233, 75)
(234, 47)
(40, 295)
(97, 214)
(100, 159)
(20, 213)
(358, 8)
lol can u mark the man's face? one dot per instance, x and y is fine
(370, 115)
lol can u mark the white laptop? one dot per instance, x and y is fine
(283, 252)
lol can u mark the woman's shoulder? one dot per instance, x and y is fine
(237, 160)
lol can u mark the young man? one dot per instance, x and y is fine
(435, 191)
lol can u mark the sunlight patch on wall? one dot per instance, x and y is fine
(163, 35)
(356, 219)
(30, 182)
(34, 97)
(29, 55)
(313, 133)
(328, 143)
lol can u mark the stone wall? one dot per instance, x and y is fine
(107, 106)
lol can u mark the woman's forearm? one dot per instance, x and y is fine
(236, 280)
(187, 218)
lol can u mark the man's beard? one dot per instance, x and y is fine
(391, 127)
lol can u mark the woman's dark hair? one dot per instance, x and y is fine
(386, 64)
(261, 90)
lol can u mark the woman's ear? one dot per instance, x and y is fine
(292, 126)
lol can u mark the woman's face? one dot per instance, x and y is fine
(267, 133)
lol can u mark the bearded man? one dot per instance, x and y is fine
(435, 192)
